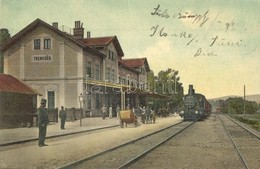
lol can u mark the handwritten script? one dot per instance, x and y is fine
(202, 25)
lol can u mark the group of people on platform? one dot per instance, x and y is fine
(110, 111)
(146, 114)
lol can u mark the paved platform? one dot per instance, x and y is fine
(16, 135)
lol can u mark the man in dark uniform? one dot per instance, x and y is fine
(62, 116)
(43, 121)
(147, 115)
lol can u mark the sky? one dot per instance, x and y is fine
(213, 44)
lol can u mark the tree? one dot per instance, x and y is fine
(4, 35)
(167, 83)
(236, 105)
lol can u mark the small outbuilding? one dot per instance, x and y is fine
(18, 103)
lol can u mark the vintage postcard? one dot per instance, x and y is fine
(72, 67)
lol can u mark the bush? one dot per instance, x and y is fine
(254, 123)
(237, 105)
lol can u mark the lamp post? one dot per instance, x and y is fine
(128, 80)
(122, 98)
(128, 92)
(128, 83)
(80, 102)
(87, 94)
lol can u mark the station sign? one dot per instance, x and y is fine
(42, 58)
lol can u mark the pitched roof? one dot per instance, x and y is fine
(136, 62)
(98, 41)
(104, 41)
(10, 84)
(121, 64)
(38, 22)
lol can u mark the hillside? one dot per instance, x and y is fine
(255, 97)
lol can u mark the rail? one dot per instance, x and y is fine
(139, 141)
(235, 145)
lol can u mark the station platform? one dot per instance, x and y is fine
(26, 134)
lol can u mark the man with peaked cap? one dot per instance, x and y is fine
(62, 116)
(43, 121)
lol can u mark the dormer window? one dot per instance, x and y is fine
(37, 44)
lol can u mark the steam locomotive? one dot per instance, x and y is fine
(196, 106)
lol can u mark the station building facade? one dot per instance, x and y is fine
(64, 67)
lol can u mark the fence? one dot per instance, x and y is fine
(53, 115)
(73, 114)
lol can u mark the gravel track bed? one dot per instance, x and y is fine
(204, 145)
(64, 150)
(114, 159)
(248, 144)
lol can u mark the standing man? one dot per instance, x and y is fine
(62, 116)
(104, 111)
(142, 114)
(147, 114)
(110, 111)
(43, 121)
(117, 111)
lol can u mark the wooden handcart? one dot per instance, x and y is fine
(127, 117)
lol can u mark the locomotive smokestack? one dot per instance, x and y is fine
(191, 90)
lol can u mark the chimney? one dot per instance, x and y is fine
(88, 34)
(191, 90)
(55, 24)
(78, 31)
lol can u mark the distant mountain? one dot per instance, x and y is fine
(223, 97)
(255, 97)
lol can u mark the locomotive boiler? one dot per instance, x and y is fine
(196, 106)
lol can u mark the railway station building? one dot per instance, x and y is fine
(73, 71)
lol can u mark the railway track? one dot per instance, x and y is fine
(244, 141)
(128, 153)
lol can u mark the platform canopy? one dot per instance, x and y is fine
(127, 89)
